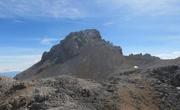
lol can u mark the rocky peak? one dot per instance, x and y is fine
(83, 54)
(88, 33)
(71, 45)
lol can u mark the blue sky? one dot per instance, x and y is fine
(30, 27)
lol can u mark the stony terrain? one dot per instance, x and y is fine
(85, 72)
(60, 93)
(152, 89)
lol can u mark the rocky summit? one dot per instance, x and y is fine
(85, 54)
(85, 72)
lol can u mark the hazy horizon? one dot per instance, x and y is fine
(28, 28)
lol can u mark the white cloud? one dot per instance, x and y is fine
(80, 8)
(19, 58)
(172, 55)
(48, 41)
(18, 21)
(17, 63)
(145, 7)
(40, 8)
(108, 23)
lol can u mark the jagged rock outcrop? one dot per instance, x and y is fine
(71, 46)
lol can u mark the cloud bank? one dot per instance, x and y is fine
(40, 8)
(172, 55)
(144, 7)
(49, 41)
(17, 62)
(79, 9)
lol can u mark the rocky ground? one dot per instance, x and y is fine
(60, 93)
(151, 89)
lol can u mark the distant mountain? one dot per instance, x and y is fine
(9, 74)
(86, 55)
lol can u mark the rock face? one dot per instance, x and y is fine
(71, 46)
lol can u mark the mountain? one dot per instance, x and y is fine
(85, 72)
(86, 55)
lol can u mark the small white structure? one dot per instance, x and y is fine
(178, 88)
(136, 67)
